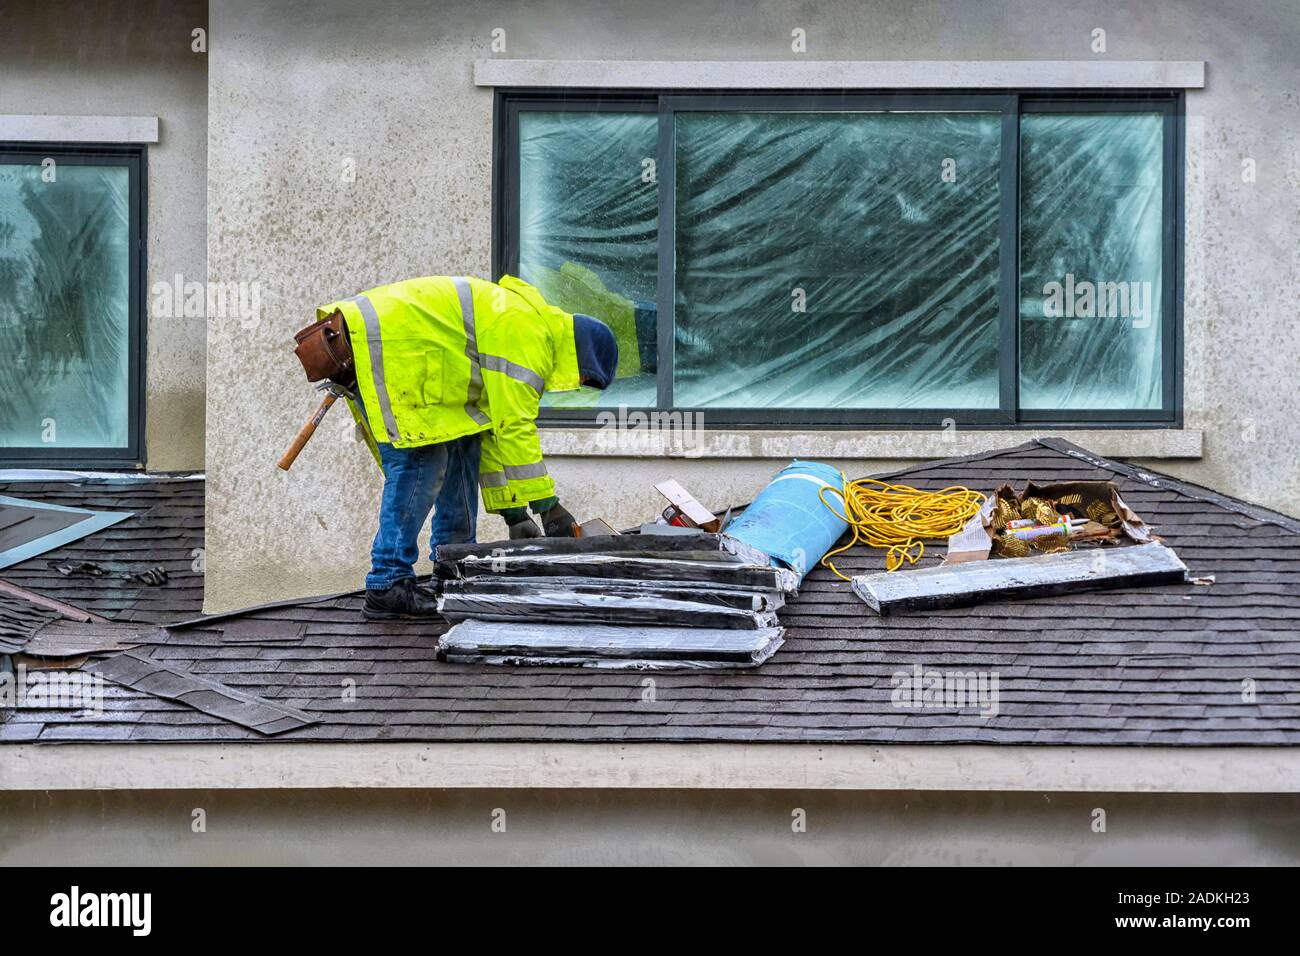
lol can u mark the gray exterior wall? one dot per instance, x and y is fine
(129, 58)
(299, 94)
(644, 828)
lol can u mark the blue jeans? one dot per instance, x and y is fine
(442, 478)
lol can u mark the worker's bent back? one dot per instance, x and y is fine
(438, 358)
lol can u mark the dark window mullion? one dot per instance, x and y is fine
(1171, 292)
(666, 313)
(1009, 262)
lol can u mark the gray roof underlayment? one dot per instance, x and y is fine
(1144, 666)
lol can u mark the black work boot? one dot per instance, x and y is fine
(405, 600)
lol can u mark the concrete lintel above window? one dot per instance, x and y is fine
(661, 438)
(31, 128)
(842, 74)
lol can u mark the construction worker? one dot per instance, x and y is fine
(449, 373)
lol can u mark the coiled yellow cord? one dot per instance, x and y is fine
(899, 518)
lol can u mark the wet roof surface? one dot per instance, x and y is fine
(1153, 666)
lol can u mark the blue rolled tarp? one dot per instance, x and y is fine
(788, 520)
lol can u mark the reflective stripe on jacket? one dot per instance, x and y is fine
(440, 357)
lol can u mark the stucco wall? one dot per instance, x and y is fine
(130, 58)
(348, 147)
(643, 828)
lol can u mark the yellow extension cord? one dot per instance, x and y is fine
(900, 518)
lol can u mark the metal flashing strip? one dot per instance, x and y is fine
(91, 522)
(141, 672)
(95, 477)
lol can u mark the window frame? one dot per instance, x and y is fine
(1011, 105)
(135, 159)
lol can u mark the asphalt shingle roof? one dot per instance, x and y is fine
(1155, 666)
(165, 529)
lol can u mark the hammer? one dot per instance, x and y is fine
(333, 393)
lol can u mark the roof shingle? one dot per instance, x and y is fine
(1177, 665)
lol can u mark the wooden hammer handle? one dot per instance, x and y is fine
(307, 430)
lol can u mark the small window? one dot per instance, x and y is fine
(984, 260)
(70, 325)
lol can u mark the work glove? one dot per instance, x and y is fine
(558, 523)
(525, 527)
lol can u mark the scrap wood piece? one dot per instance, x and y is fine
(606, 646)
(974, 582)
(58, 607)
(686, 503)
(563, 606)
(139, 671)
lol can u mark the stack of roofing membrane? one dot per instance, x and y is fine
(649, 600)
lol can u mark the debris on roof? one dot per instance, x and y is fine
(1164, 666)
(138, 670)
(162, 528)
(63, 638)
(648, 600)
(603, 646)
(1010, 579)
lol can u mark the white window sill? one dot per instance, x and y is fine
(800, 73)
(910, 445)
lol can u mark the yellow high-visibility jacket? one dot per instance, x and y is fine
(439, 357)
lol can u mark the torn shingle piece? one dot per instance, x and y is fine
(139, 671)
(263, 631)
(62, 638)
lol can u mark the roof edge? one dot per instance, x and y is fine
(1157, 479)
(651, 766)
